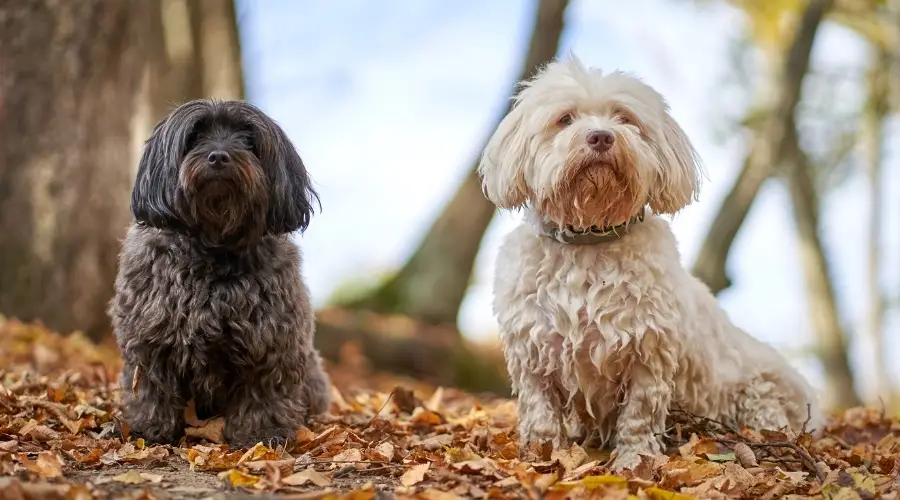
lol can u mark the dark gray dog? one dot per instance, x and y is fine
(210, 303)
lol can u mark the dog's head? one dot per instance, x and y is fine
(224, 172)
(585, 149)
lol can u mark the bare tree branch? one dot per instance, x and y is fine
(823, 309)
(768, 148)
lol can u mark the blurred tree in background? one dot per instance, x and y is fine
(776, 150)
(81, 85)
(433, 283)
(69, 84)
(775, 145)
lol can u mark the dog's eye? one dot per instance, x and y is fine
(253, 146)
(566, 120)
(192, 140)
(624, 118)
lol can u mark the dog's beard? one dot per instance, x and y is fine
(597, 190)
(226, 207)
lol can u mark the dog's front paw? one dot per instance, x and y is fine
(626, 460)
(156, 433)
(270, 437)
(542, 432)
(629, 457)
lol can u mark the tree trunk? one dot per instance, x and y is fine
(71, 74)
(823, 309)
(432, 284)
(893, 46)
(873, 144)
(200, 54)
(767, 150)
(218, 49)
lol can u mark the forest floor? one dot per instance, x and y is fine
(388, 437)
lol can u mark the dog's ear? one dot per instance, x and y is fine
(503, 163)
(291, 194)
(678, 179)
(153, 194)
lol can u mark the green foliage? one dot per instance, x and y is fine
(361, 287)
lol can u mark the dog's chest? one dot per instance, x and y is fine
(217, 308)
(578, 313)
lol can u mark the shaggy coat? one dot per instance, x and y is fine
(210, 304)
(610, 336)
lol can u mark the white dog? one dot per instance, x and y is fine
(600, 322)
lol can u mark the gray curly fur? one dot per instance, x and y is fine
(210, 303)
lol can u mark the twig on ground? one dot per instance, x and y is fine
(808, 418)
(700, 421)
(805, 458)
(388, 467)
(386, 401)
(349, 463)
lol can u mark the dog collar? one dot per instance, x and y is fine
(571, 236)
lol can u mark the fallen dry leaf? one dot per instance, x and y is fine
(135, 477)
(414, 475)
(136, 380)
(745, 455)
(307, 476)
(237, 478)
(351, 455)
(190, 414)
(385, 451)
(258, 452)
(212, 430)
(405, 399)
(47, 464)
(435, 494)
(571, 458)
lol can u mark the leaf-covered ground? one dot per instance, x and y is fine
(390, 438)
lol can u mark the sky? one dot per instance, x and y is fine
(389, 103)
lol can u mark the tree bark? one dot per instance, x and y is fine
(70, 75)
(894, 47)
(199, 55)
(823, 308)
(768, 148)
(433, 282)
(215, 32)
(873, 144)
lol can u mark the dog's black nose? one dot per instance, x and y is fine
(218, 159)
(600, 140)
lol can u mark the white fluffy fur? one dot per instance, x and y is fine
(611, 336)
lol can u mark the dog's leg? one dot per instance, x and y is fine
(262, 416)
(760, 407)
(540, 412)
(316, 387)
(153, 403)
(268, 407)
(642, 419)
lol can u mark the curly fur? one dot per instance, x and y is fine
(610, 337)
(210, 303)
